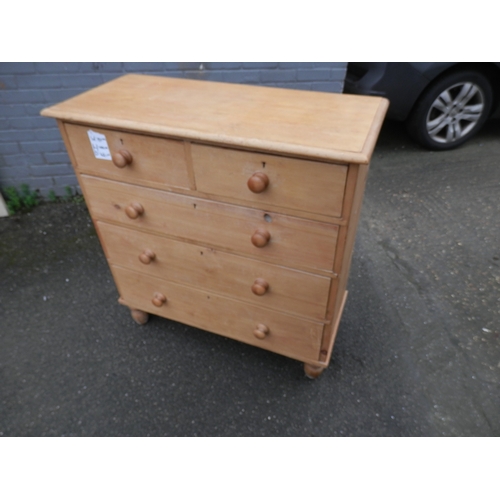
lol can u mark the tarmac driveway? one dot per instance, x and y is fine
(417, 354)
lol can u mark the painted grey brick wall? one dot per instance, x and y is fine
(31, 149)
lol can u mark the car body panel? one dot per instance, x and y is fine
(401, 83)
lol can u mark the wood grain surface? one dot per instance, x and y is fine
(294, 242)
(322, 125)
(300, 293)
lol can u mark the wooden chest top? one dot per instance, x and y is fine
(332, 127)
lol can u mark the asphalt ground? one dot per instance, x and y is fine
(417, 353)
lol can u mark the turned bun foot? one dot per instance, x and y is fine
(139, 317)
(313, 371)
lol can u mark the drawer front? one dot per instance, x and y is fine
(259, 283)
(269, 180)
(154, 161)
(285, 240)
(293, 337)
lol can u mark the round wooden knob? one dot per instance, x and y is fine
(261, 237)
(260, 286)
(159, 299)
(258, 182)
(261, 331)
(147, 256)
(134, 210)
(122, 158)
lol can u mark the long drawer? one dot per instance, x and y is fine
(154, 161)
(287, 335)
(286, 240)
(259, 283)
(270, 180)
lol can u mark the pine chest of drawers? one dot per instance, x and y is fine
(231, 208)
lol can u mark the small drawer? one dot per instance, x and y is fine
(139, 159)
(267, 329)
(259, 283)
(269, 236)
(268, 180)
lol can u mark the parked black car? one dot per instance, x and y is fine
(443, 104)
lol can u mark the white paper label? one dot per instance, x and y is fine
(99, 145)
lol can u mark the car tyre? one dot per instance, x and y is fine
(451, 110)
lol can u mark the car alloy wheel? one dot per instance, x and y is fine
(455, 112)
(451, 110)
